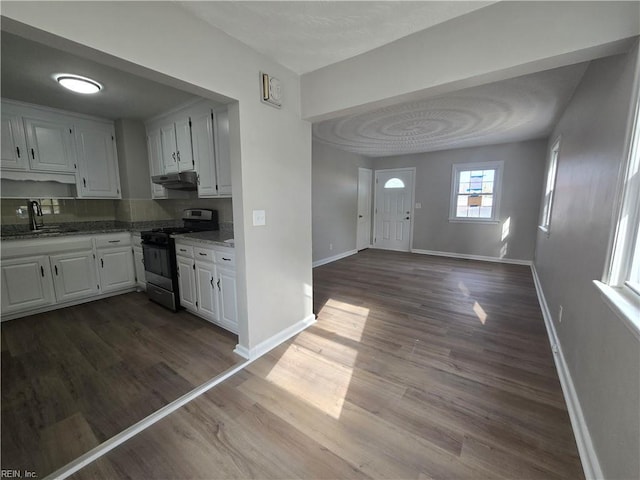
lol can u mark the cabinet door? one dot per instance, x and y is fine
(26, 284)
(184, 154)
(186, 283)
(97, 161)
(203, 153)
(169, 157)
(138, 261)
(156, 167)
(50, 145)
(223, 158)
(74, 275)
(14, 147)
(228, 299)
(206, 279)
(116, 269)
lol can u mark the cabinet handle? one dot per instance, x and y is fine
(178, 153)
(55, 267)
(41, 270)
(173, 155)
(84, 180)
(102, 262)
(114, 241)
(226, 259)
(203, 254)
(183, 249)
(33, 154)
(218, 284)
(18, 150)
(211, 282)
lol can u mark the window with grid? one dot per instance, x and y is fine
(475, 192)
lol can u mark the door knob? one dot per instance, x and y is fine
(360, 216)
(407, 218)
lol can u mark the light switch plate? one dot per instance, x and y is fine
(418, 205)
(259, 218)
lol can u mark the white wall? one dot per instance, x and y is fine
(522, 183)
(501, 41)
(270, 148)
(335, 200)
(602, 355)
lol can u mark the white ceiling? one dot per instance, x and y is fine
(26, 75)
(512, 110)
(307, 35)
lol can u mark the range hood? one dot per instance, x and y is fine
(177, 181)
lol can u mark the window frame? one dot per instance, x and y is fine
(550, 188)
(456, 169)
(615, 287)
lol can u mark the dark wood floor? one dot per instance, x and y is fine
(419, 367)
(74, 377)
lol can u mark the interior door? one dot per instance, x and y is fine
(394, 209)
(365, 177)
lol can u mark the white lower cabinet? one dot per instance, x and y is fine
(48, 273)
(116, 269)
(208, 282)
(74, 275)
(26, 284)
(187, 283)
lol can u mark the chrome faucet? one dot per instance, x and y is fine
(34, 212)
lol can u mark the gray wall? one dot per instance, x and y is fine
(522, 186)
(133, 160)
(335, 199)
(601, 353)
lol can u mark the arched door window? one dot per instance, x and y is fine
(394, 183)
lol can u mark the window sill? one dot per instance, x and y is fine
(624, 303)
(474, 220)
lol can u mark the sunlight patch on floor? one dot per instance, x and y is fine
(324, 388)
(479, 311)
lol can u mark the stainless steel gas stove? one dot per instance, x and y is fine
(159, 253)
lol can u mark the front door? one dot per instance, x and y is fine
(364, 208)
(394, 209)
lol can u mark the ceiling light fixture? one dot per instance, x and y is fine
(78, 84)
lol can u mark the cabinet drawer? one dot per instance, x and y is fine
(203, 254)
(225, 258)
(184, 250)
(116, 240)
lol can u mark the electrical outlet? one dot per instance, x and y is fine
(560, 315)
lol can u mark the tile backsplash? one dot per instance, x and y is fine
(127, 210)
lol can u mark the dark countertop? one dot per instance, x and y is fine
(217, 237)
(60, 233)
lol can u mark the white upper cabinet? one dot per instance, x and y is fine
(14, 146)
(176, 146)
(44, 144)
(50, 144)
(193, 138)
(204, 154)
(98, 175)
(223, 158)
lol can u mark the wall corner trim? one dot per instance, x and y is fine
(340, 256)
(275, 340)
(588, 456)
(464, 256)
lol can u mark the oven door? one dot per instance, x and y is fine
(157, 265)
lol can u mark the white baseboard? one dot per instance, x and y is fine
(324, 261)
(472, 257)
(588, 457)
(272, 342)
